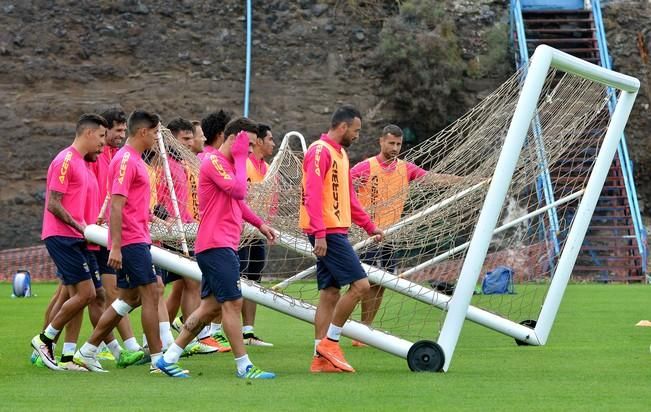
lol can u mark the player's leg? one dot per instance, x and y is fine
(252, 258)
(69, 256)
(344, 266)
(109, 282)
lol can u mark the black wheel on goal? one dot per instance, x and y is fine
(425, 356)
(530, 323)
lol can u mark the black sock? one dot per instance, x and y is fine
(66, 358)
(45, 339)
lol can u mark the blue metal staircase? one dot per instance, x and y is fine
(615, 247)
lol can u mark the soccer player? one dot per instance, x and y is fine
(186, 292)
(222, 191)
(381, 183)
(252, 256)
(63, 228)
(329, 207)
(129, 242)
(213, 129)
(115, 136)
(199, 138)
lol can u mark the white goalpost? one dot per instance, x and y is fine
(495, 212)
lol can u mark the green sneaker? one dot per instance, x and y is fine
(36, 360)
(221, 339)
(128, 358)
(252, 372)
(105, 354)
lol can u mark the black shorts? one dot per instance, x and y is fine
(169, 277)
(252, 260)
(340, 266)
(220, 270)
(381, 257)
(137, 268)
(101, 256)
(94, 269)
(70, 257)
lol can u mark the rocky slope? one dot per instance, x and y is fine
(61, 58)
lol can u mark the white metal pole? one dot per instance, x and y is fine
(276, 301)
(170, 186)
(584, 214)
(524, 113)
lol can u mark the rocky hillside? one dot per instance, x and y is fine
(59, 59)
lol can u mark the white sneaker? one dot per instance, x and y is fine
(46, 352)
(252, 340)
(72, 367)
(88, 362)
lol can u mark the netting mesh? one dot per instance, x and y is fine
(427, 242)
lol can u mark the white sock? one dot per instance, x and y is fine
(316, 343)
(51, 332)
(115, 348)
(102, 346)
(242, 363)
(69, 348)
(88, 350)
(173, 353)
(132, 344)
(166, 336)
(215, 327)
(247, 329)
(205, 332)
(334, 332)
(155, 357)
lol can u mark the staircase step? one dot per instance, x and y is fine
(537, 20)
(563, 40)
(554, 31)
(610, 267)
(607, 248)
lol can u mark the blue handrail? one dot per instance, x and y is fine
(624, 159)
(544, 177)
(247, 80)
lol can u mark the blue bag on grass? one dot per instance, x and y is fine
(498, 281)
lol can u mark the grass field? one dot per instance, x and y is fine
(595, 360)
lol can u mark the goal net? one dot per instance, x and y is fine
(510, 188)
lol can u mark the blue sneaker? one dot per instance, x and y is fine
(172, 370)
(255, 373)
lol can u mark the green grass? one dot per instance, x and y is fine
(595, 359)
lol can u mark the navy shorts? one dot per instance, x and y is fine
(220, 269)
(70, 257)
(382, 257)
(169, 277)
(102, 261)
(252, 259)
(94, 268)
(340, 266)
(137, 268)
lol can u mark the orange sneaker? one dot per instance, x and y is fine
(208, 340)
(321, 364)
(358, 344)
(332, 351)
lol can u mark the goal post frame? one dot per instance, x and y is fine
(543, 59)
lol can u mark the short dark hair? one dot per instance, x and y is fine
(180, 124)
(114, 116)
(213, 124)
(89, 120)
(262, 130)
(345, 113)
(240, 123)
(392, 129)
(195, 124)
(139, 119)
